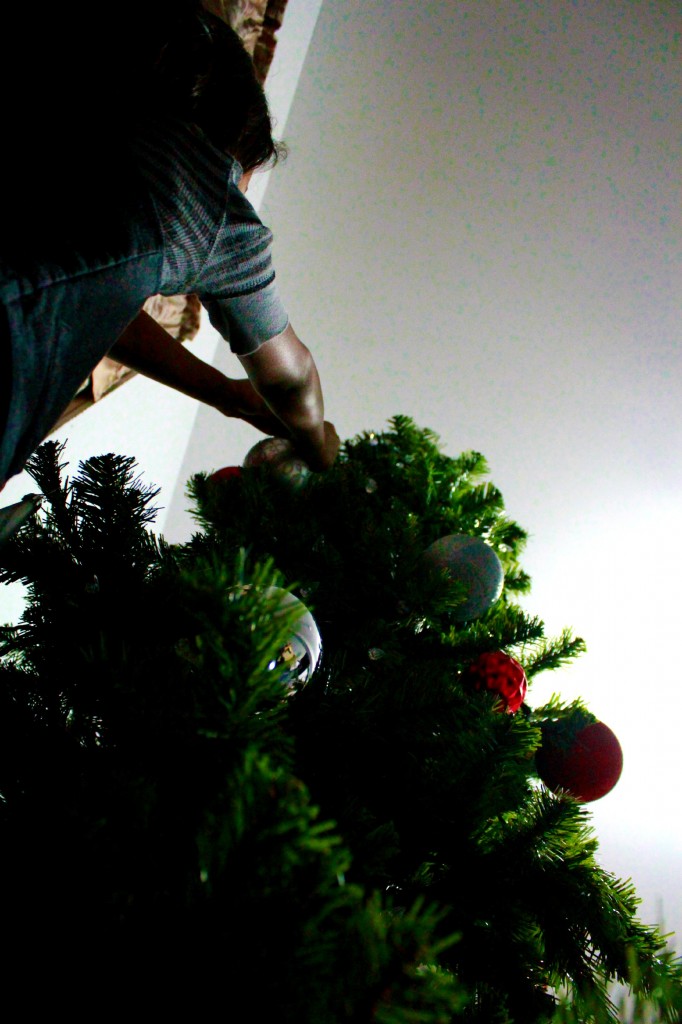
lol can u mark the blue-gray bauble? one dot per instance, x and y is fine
(473, 563)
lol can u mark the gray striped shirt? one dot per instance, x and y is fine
(214, 243)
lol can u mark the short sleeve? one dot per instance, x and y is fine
(214, 243)
(249, 319)
(238, 279)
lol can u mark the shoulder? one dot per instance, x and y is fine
(177, 158)
(203, 217)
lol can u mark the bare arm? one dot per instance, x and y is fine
(283, 372)
(282, 396)
(146, 347)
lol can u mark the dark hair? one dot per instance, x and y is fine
(86, 77)
(204, 75)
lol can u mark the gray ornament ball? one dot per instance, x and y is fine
(268, 451)
(472, 562)
(277, 453)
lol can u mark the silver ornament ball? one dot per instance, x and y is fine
(299, 656)
(293, 473)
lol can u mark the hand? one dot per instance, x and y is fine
(317, 459)
(243, 402)
(332, 443)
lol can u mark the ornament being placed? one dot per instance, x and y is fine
(497, 671)
(267, 451)
(586, 762)
(278, 455)
(472, 562)
(299, 656)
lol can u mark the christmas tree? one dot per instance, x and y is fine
(198, 804)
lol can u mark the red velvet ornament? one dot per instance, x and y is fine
(587, 767)
(226, 473)
(501, 673)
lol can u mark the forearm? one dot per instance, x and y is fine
(300, 407)
(284, 374)
(147, 348)
(282, 396)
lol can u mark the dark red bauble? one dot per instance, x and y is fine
(226, 473)
(588, 768)
(501, 673)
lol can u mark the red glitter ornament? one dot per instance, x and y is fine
(226, 473)
(501, 673)
(588, 766)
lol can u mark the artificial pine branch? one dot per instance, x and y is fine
(552, 653)
(376, 846)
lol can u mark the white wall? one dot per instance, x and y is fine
(155, 424)
(479, 226)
